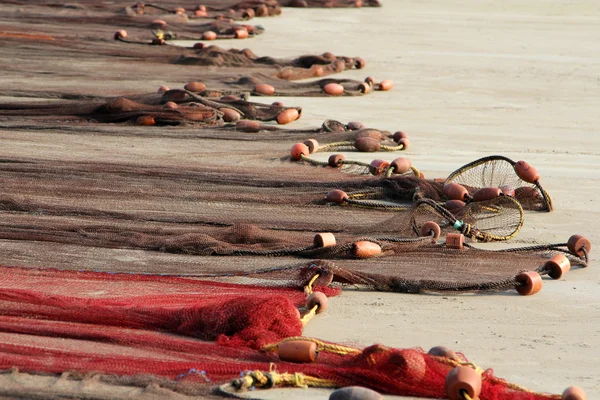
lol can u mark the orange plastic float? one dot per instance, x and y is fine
(401, 165)
(246, 125)
(262, 11)
(163, 88)
(404, 142)
(412, 363)
(171, 105)
(158, 24)
(508, 190)
(333, 89)
(180, 10)
(337, 196)
(355, 125)
(488, 193)
(528, 283)
(287, 116)
(526, 172)
(355, 393)
(577, 244)
(366, 249)
(209, 35)
(297, 351)
(462, 380)
(317, 299)
(360, 63)
(364, 88)
(312, 144)
(199, 46)
(158, 41)
(455, 191)
(325, 239)
(369, 80)
(120, 34)
(145, 120)
(195, 87)
(265, 89)
(230, 115)
(241, 34)
(386, 85)
(399, 135)
(430, 228)
(324, 278)
(378, 167)
(367, 144)
(454, 206)
(441, 351)
(249, 13)
(455, 241)
(573, 393)
(336, 160)
(200, 13)
(557, 266)
(299, 150)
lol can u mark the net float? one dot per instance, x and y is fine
(249, 13)
(297, 351)
(246, 125)
(528, 283)
(366, 249)
(324, 278)
(372, 133)
(430, 228)
(230, 115)
(328, 55)
(199, 46)
(354, 125)
(201, 7)
(299, 150)
(412, 363)
(526, 172)
(367, 144)
(163, 88)
(326, 239)
(265, 89)
(573, 393)
(378, 167)
(360, 63)
(462, 380)
(145, 120)
(557, 266)
(369, 80)
(455, 191)
(180, 10)
(485, 194)
(195, 87)
(317, 70)
(336, 160)
(386, 85)
(454, 206)
(508, 190)
(287, 116)
(209, 35)
(364, 88)
(399, 135)
(158, 24)
(261, 11)
(401, 165)
(120, 34)
(455, 240)
(405, 142)
(333, 89)
(241, 34)
(355, 393)
(577, 244)
(312, 144)
(317, 299)
(337, 196)
(250, 29)
(200, 13)
(441, 351)
(171, 105)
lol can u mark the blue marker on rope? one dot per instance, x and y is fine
(458, 224)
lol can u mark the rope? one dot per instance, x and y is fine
(336, 144)
(308, 289)
(313, 161)
(309, 315)
(321, 346)
(391, 148)
(259, 379)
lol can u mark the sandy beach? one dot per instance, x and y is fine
(472, 78)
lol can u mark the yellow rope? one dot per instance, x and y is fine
(308, 288)
(416, 171)
(321, 346)
(259, 379)
(309, 315)
(335, 144)
(391, 148)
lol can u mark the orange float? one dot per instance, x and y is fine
(171, 105)
(354, 125)
(573, 393)
(508, 190)
(367, 144)
(462, 380)
(366, 249)
(325, 239)
(454, 206)
(333, 89)
(120, 34)
(264, 89)
(405, 142)
(209, 35)
(360, 63)
(230, 115)
(195, 87)
(317, 299)
(200, 13)
(526, 172)
(145, 120)
(369, 80)
(312, 144)
(485, 194)
(557, 266)
(378, 167)
(455, 241)
(297, 351)
(241, 34)
(364, 88)
(386, 85)
(577, 244)
(299, 150)
(401, 165)
(528, 283)
(337, 196)
(287, 116)
(399, 135)
(336, 160)
(441, 351)
(199, 46)
(163, 88)
(246, 125)
(455, 191)
(430, 228)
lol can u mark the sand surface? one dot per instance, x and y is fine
(473, 78)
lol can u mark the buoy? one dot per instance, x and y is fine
(158, 24)
(325, 239)
(199, 46)
(241, 34)
(462, 380)
(454, 206)
(120, 34)
(378, 167)
(367, 144)
(261, 11)
(200, 13)
(249, 13)
(455, 191)
(360, 63)
(317, 299)
(297, 351)
(386, 85)
(246, 125)
(405, 142)
(312, 144)
(401, 165)
(508, 190)
(366, 249)
(557, 266)
(577, 244)
(573, 393)
(526, 172)
(265, 89)
(364, 88)
(336, 160)
(163, 88)
(399, 135)
(430, 228)
(528, 283)
(287, 116)
(209, 35)
(230, 115)
(171, 105)
(324, 279)
(145, 120)
(333, 89)
(195, 87)
(354, 125)
(355, 393)
(369, 80)
(337, 196)
(455, 240)
(372, 133)
(485, 194)
(299, 150)
(412, 363)
(441, 351)
(180, 10)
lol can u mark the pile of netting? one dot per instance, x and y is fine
(190, 334)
